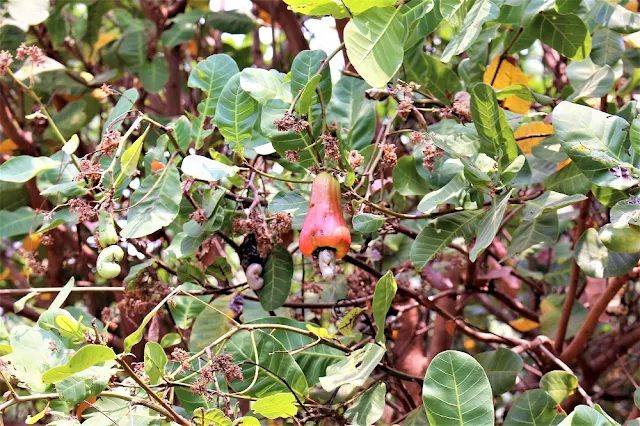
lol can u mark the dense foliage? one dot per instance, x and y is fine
(203, 222)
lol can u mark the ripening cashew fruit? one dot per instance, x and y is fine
(107, 234)
(621, 238)
(107, 264)
(324, 234)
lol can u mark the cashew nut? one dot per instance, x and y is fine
(254, 279)
(107, 265)
(327, 264)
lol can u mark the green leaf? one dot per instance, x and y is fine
(20, 222)
(482, 11)
(548, 202)
(372, 40)
(456, 389)
(170, 339)
(246, 421)
(280, 405)
(567, 6)
(568, 180)
(125, 104)
(28, 13)
(134, 338)
(313, 361)
(155, 204)
(559, 384)
(305, 65)
(541, 230)
(23, 167)
(179, 33)
(452, 193)
(597, 261)
(502, 367)
(440, 233)
(72, 145)
(567, 34)
(551, 310)
(615, 17)
(496, 136)
(490, 224)
(277, 275)
(155, 360)
(85, 384)
(367, 409)
(210, 417)
(406, 179)
(382, 297)
(236, 114)
(353, 112)
(130, 158)
(263, 85)
(154, 74)
(432, 75)
(231, 21)
(185, 308)
(86, 357)
(209, 324)
(210, 76)
(413, 13)
(417, 417)
(594, 140)
(308, 94)
(62, 296)
(523, 92)
(133, 49)
(533, 407)
(585, 415)
(206, 169)
(284, 141)
(636, 397)
(273, 356)
(598, 85)
(295, 202)
(355, 369)
(608, 47)
(367, 222)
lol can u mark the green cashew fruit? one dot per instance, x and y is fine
(107, 234)
(621, 238)
(107, 262)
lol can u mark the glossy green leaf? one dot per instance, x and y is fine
(496, 136)
(502, 367)
(585, 415)
(155, 204)
(277, 275)
(597, 261)
(305, 65)
(548, 202)
(236, 114)
(594, 140)
(353, 112)
(85, 384)
(263, 85)
(130, 158)
(440, 233)
(367, 409)
(155, 360)
(382, 297)
(406, 179)
(598, 85)
(568, 34)
(568, 180)
(86, 357)
(482, 11)
(541, 230)
(308, 94)
(607, 47)
(355, 369)
(559, 384)
(20, 222)
(533, 407)
(210, 417)
(490, 224)
(456, 389)
(432, 75)
(451, 193)
(280, 405)
(367, 222)
(372, 39)
(567, 6)
(273, 356)
(170, 339)
(23, 167)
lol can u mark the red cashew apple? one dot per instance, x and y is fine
(325, 235)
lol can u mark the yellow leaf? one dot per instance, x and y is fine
(6, 273)
(563, 164)
(531, 134)
(103, 40)
(348, 322)
(469, 344)
(33, 420)
(31, 242)
(508, 74)
(7, 147)
(523, 325)
(633, 6)
(320, 332)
